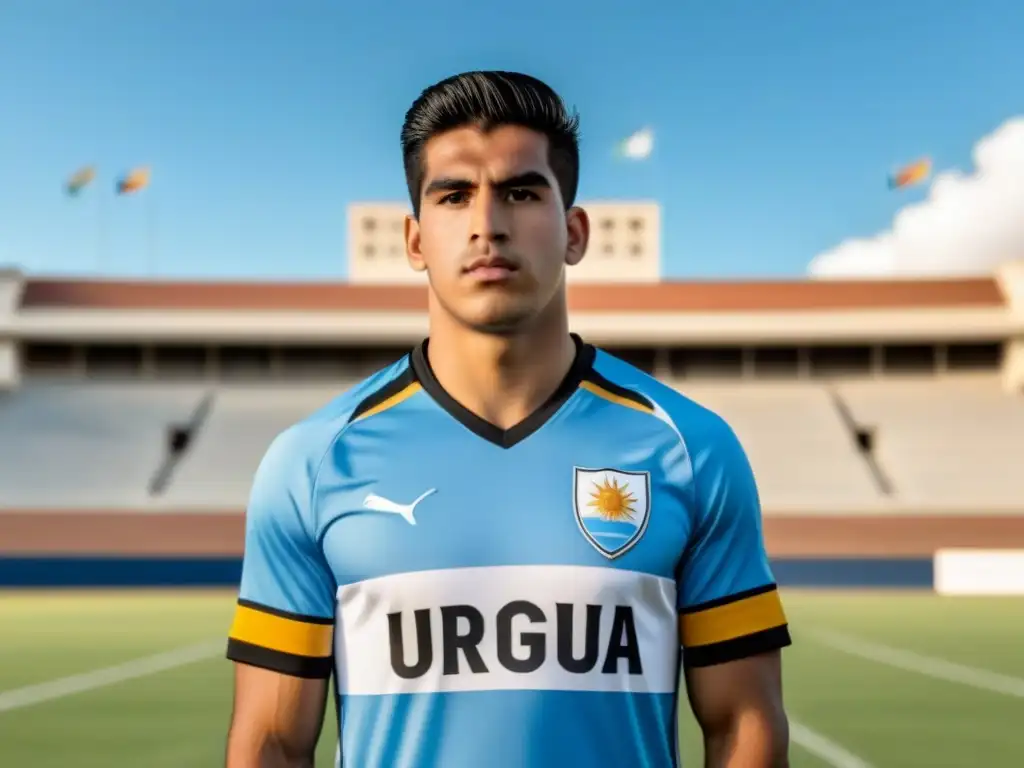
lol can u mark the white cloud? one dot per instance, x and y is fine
(968, 224)
(639, 145)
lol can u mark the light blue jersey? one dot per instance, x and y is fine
(506, 598)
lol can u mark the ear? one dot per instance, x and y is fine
(578, 225)
(412, 244)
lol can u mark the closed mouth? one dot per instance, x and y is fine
(493, 262)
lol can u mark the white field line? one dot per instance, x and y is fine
(930, 666)
(813, 742)
(98, 678)
(824, 748)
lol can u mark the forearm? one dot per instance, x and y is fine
(750, 741)
(265, 751)
(275, 721)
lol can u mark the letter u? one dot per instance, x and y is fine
(424, 645)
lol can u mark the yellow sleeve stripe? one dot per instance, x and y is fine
(278, 633)
(392, 401)
(732, 620)
(601, 392)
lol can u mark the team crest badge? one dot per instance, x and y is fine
(613, 508)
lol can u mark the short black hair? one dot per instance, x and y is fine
(487, 100)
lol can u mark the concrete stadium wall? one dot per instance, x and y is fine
(91, 549)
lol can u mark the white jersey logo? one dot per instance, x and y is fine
(380, 504)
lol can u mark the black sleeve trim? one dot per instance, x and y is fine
(719, 601)
(285, 614)
(737, 648)
(308, 667)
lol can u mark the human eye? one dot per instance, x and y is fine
(453, 198)
(520, 195)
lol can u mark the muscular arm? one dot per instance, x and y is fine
(281, 638)
(732, 622)
(739, 708)
(276, 719)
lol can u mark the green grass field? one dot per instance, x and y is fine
(880, 713)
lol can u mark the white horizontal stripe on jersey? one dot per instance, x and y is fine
(508, 628)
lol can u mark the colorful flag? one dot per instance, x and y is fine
(135, 180)
(637, 146)
(911, 175)
(79, 180)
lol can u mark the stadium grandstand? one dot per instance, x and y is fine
(850, 396)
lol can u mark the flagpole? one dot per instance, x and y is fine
(101, 234)
(151, 232)
(77, 185)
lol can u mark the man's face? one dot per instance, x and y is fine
(493, 233)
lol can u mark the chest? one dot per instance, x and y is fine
(441, 504)
(465, 566)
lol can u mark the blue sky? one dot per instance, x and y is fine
(776, 120)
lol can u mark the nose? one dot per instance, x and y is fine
(490, 221)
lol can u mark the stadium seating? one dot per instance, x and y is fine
(804, 456)
(954, 444)
(951, 444)
(78, 445)
(217, 469)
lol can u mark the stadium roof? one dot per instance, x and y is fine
(34, 308)
(696, 296)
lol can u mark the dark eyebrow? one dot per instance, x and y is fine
(449, 184)
(528, 179)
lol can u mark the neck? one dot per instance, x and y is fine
(502, 379)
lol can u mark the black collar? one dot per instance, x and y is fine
(505, 438)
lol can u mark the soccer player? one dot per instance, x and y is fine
(507, 548)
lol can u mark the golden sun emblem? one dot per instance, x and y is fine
(613, 501)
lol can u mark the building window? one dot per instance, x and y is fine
(974, 356)
(828, 361)
(244, 362)
(776, 362)
(369, 251)
(909, 358)
(369, 224)
(706, 362)
(174, 361)
(636, 224)
(113, 360)
(48, 358)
